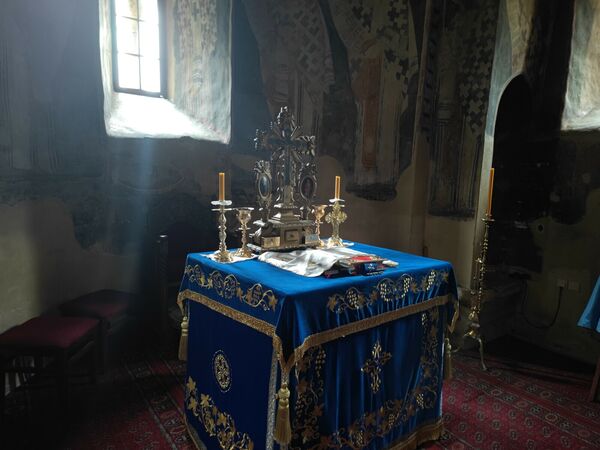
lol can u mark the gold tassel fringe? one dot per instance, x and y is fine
(183, 340)
(283, 429)
(447, 359)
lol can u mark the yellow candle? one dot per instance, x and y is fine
(490, 192)
(337, 187)
(221, 186)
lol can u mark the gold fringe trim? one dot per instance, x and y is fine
(183, 340)
(283, 428)
(314, 339)
(425, 433)
(361, 325)
(246, 319)
(447, 359)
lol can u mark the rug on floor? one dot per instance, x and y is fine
(138, 405)
(518, 407)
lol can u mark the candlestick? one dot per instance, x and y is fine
(335, 218)
(490, 192)
(221, 186)
(243, 216)
(222, 255)
(478, 286)
(337, 186)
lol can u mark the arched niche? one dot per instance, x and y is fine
(519, 189)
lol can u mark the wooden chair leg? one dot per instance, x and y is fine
(63, 380)
(102, 346)
(595, 383)
(2, 393)
(95, 358)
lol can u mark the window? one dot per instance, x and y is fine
(138, 47)
(141, 41)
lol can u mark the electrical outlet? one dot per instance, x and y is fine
(573, 285)
(561, 283)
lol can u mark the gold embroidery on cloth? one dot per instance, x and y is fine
(309, 405)
(374, 366)
(387, 290)
(222, 371)
(314, 339)
(374, 424)
(228, 287)
(216, 423)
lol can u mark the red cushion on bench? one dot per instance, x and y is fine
(105, 304)
(53, 332)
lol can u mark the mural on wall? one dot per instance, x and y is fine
(32, 102)
(379, 38)
(202, 61)
(464, 67)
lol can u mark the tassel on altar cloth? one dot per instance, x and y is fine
(283, 428)
(447, 359)
(183, 340)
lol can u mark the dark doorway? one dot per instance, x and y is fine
(521, 182)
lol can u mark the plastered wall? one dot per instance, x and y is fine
(79, 210)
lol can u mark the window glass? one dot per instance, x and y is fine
(127, 35)
(149, 40)
(150, 69)
(126, 8)
(129, 71)
(149, 11)
(138, 63)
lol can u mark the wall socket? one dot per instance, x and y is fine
(561, 283)
(573, 285)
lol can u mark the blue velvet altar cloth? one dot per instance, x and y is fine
(363, 354)
(591, 314)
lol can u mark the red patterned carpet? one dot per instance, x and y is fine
(138, 406)
(525, 408)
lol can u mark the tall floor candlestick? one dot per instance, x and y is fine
(474, 331)
(490, 193)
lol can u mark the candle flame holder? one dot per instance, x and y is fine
(319, 211)
(222, 254)
(244, 215)
(335, 218)
(478, 286)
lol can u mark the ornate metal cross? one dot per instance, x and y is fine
(292, 155)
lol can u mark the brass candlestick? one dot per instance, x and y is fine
(319, 211)
(335, 218)
(222, 255)
(243, 216)
(474, 331)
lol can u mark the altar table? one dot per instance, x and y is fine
(361, 358)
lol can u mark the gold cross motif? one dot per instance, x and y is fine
(373, 366)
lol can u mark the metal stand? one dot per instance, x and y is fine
(335, 218)
(222, 255)
(474, 331)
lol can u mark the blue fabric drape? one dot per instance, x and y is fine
(591, 315)
(363, 354)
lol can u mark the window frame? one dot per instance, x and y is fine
(162, 37)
